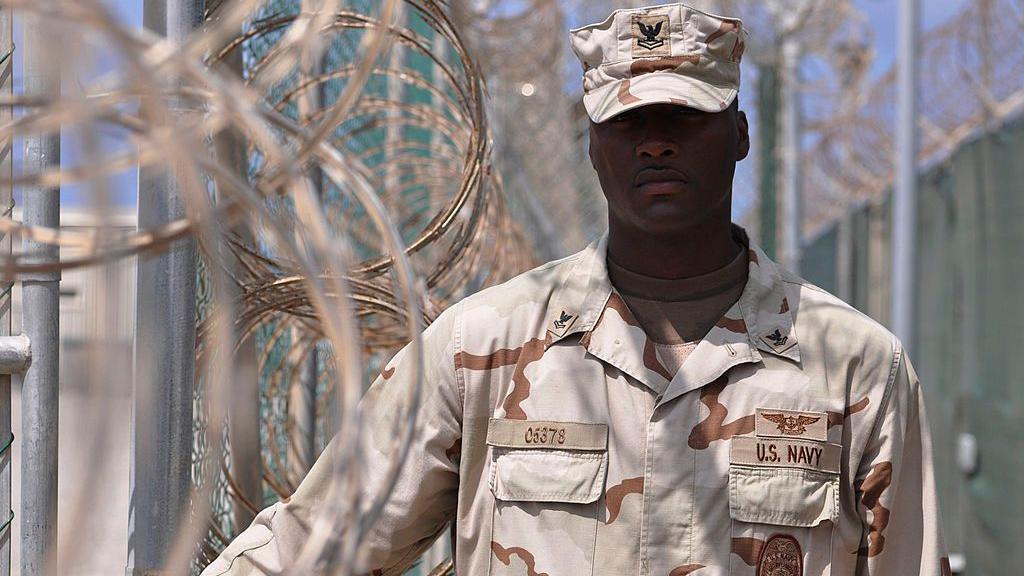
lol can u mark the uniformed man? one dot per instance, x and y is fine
(668, 401)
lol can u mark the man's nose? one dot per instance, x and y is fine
(657, 148)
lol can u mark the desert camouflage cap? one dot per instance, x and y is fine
(671, 54)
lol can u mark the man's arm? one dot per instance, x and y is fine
(424, 498)
(895, 485)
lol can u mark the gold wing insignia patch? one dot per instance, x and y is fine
(791, 425)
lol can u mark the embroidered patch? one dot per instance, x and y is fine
(564, 320)
(651, 35)
(784, 453)
(781, 556)
(778, 340)
(791, 424)
(546, 434)
(562, 323)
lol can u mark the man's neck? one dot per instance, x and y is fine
(698, 250)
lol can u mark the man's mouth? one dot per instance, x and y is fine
(658, 175)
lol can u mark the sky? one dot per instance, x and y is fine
(881, 13)
(124, 184)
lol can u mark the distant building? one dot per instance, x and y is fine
(82, 289)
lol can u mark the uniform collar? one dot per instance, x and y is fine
(760, 321)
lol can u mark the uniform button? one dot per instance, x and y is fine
(618, 342)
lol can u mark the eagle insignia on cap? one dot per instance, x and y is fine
(791, 425)
(650, 40)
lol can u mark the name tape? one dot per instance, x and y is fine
(785, 453)
(546, 434)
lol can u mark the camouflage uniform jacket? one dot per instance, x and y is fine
(792, 442)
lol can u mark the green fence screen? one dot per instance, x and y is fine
(969, 310)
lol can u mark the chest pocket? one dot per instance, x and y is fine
(783, 508)
(547, 479)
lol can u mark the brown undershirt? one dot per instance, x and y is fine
(676, 313)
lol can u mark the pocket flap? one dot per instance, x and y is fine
(786, 496)
(547, 475)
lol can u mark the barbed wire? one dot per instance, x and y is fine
(345, 174)
(972, 75)
(333, 159)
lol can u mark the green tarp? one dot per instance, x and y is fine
(969, 308)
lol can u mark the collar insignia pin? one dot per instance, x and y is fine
(563, 320)
(776, 338)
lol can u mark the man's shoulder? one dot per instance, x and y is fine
(535, 286)
(522, 299)
(828, 325)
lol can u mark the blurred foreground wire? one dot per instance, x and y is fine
(332, 164)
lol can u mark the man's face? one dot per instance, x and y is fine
(665, 167)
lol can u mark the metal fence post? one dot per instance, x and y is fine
(41, 319)
(164, 355)
(6, 203)
(302, 411)
(844, 256)
(904, 205)
(767, 143)
(244, 409)
(302, 397)
(791, 177)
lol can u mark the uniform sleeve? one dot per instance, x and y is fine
(895, 485)
(424, 498)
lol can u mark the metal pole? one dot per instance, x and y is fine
(302, 397)
(164, 356)
(441, 549)
(244, 408)
(767, 136)
(844, 256)
(6, 204)
(244, 432)
(904, 218)
(41, 319)
(302, 412)
(985, 44)
(791, 136)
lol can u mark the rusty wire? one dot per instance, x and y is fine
(524, 49)
(341, 187)
(971, 70)
(309, 224)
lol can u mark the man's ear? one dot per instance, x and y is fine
(743, 132)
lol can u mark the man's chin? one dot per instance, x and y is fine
(666, 217)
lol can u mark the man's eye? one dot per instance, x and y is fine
(622, 118)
